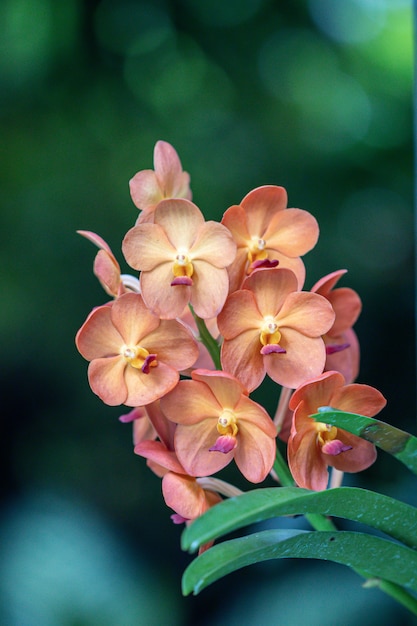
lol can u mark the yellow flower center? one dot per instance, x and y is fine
(227, 423)
(269, 331)
(139, 357)
(182, 264)
(325, 433)
(256, 250)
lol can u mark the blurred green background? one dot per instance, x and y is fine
(313, 95)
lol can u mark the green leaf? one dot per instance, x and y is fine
(372, 556)
(397, 442)
(381, 512)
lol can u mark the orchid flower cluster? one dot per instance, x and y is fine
(211, 309)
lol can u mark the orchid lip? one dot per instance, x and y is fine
(336, 347)
(182, 280)
(263, 263)
(272, 348)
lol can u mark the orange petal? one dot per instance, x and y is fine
(106, 378)
(255, 453)
(209, 290)
(293, 232)
(145, 189)
(192, 445)
(239, 314)
(157, 452)
(132, 319)
(98, 337)
(304, 359)
(184, 495)
(190, 402)
(225, 388)
(173, 344)
(146, 246)
(165, 300)
(306, 312)
(181, 220)
(260, 204)
(145, 388)
(271, 288)
(241, 357)
(214, 244)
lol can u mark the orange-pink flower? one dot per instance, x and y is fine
(181, 492)
(342, 346)
(135, 357)
(271, 328)
(168, 180)
(182, 259)
(218, 422)
(267, 233)
(313, 446)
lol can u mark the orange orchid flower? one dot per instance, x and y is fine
(271, 328)
(314, 446)
(168, 180)
(181, 492)
(267, 233)
(342, 345)
(182, 259)
(216, 422)
(135, 357)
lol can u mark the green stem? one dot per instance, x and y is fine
(208, 340)
(320, 522)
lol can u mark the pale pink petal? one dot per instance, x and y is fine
(214, 244)
(98, 337)
(181, 220)
(192, 445)
(146, 246)
(296, 265)
(167, 166)
(190, 402)
(165, 300)
(304, 359)
(132, 319)
(237, 270)
(292, 232)
(96, 240)
(209, 290)
(107, 271)
(145, 189)
(145, 388)
(306, 312)
(260, 204)
(106, 378)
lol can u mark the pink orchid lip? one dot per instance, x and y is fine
(272, 348)
(336, 347)
(182, 280)
(224, 443)
(147, 363)
(263, 263)
(178, 519)
(335, 447)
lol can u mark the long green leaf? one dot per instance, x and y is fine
(373, 556)
(397, 442)
(381, 512)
